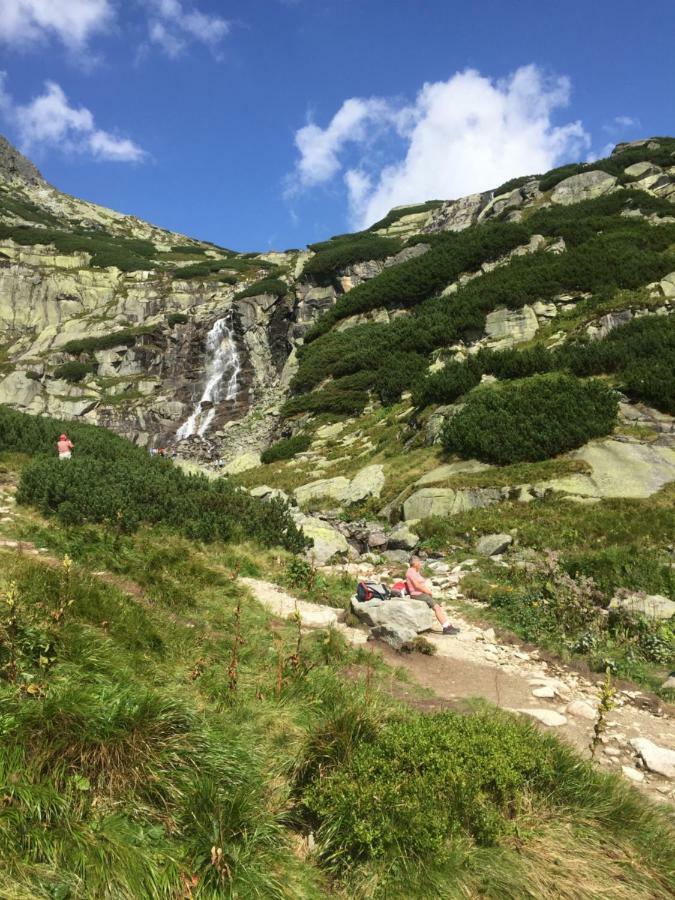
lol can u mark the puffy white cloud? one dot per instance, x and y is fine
(50, 121)
(27, 22)
(462, 135)
(171, 26)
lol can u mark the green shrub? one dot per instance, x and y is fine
(398, 370)
(447, 385)
(421, 783)
(110, 480)
(286, 448)
(73, 371)
(33, 375)
(177, 319)
(264, 286)
(529, 420)
(346, 250)
(653, 382)
(126, 337)
(127, 254)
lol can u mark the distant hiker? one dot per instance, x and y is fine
(64, 446)
(420, 589)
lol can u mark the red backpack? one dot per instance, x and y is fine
(371, 590)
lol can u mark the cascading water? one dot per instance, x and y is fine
(222, 375)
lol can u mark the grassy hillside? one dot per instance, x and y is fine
(164, 737)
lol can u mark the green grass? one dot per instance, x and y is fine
(122, 734)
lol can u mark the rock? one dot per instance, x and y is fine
(438, 567)
(402, 538)
(669, 683)
(640, 169)
(611, 751)
(544, 693)
(656, 759)
(632, 774)
(367, 482)
(410, 614)
(394, 635)
(442, 473)
(492, 544)
(327, 541)
(331, 488)
(397, 557)
(511, 326)
(584, 186)
(328, 432)
(651, 606)
(581, 710)
(242, 463)
(608, 323)
(489, 635)
(377, 539)
(445, 501)
(619, 469)
(546, 716)
(265, 492)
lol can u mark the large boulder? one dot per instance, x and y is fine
(402, 538)
(619, 469)
(242, 463)
(327, 541)
(492, 544)
(584, 186)
(429, 502)
(414, 615)
(651, 606)
(368, 482)
(333, 488)
(393, 635)
(511, 326)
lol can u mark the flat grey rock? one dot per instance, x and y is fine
(657, 759)
(492, 544)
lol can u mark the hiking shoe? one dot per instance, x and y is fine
(450, 629)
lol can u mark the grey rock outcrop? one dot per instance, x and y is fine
(656, 759)
(584, 186)
(15, 165)
(651, 606)
(492, 544)
(407, 617)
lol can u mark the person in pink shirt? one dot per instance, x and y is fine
(420, 589)
(64, 446)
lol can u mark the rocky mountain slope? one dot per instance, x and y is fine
(106, 318)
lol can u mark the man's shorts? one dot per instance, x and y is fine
(430, 602)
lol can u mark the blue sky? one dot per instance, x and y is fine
(273, 123)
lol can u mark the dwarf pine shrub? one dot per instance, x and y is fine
(529, 420)
(74, 371)
(111, 481)
(286, 448)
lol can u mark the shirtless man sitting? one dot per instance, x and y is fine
(420, 589)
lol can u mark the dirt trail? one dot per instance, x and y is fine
(475, 665)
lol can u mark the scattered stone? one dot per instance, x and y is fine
(584, 186)
(242, 463)
(632, 774)
(492, 544)
(548, 717)
(511, 326)
(581, 710)
(489, 635)
(439, 567)
(396, 557)
(402, 538)
(394, 635)
(656, 759)
(611, 751)
(669, 683)
(544, 693)
(327, 541)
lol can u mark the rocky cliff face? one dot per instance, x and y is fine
(106, 318)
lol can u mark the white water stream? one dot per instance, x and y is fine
(222, 375)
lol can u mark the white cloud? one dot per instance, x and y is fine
(50, 121)
(462, 135)
(171, 26)
(24, 23)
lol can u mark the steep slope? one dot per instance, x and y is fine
(107, 318)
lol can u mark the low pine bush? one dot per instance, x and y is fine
(264, 286)
(126, 337)
(177, 319)
(346, 250)
(74, 371)
(111, 481)
(286, 448)
(529, 420)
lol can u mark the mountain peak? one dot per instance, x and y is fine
(15, 165)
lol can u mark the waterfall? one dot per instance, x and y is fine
(221, 360)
